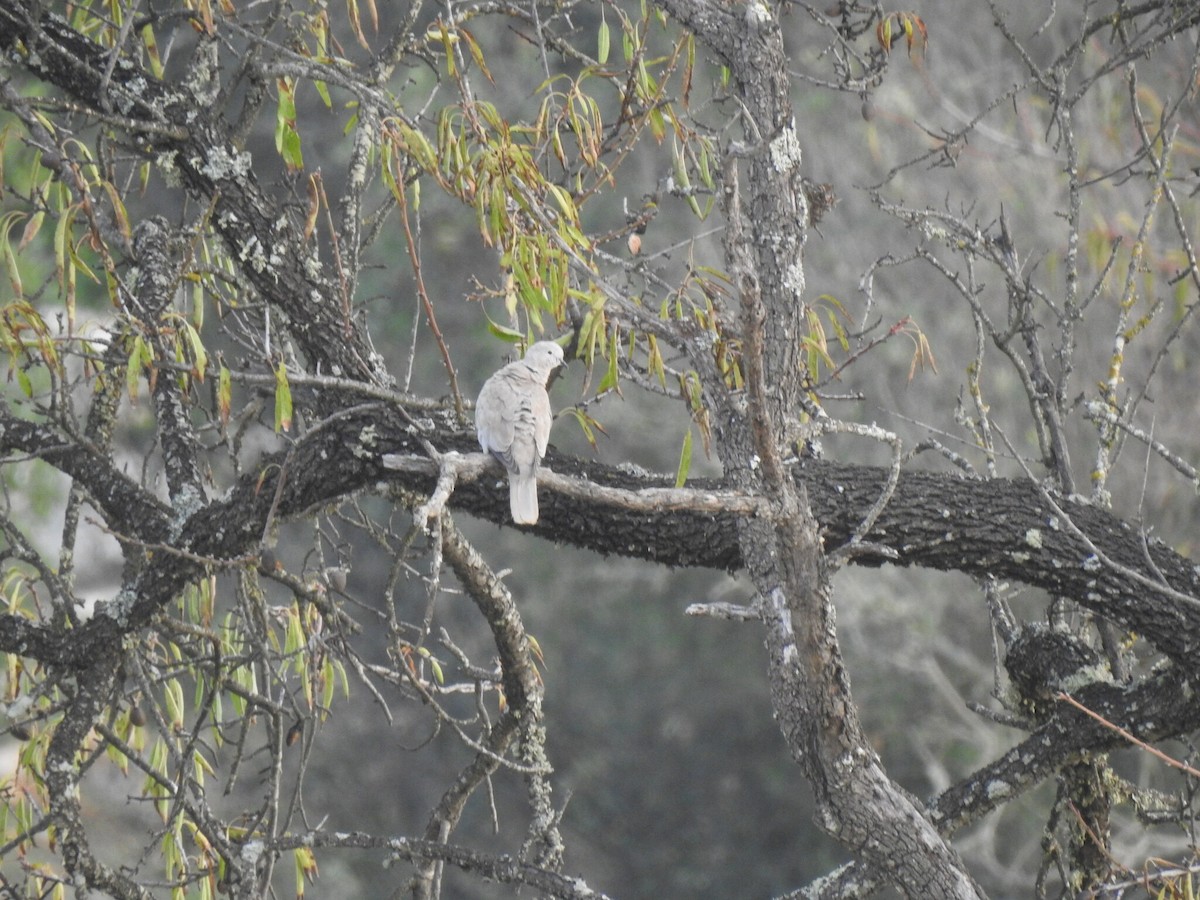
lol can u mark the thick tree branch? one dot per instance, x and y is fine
(63, 777)
(126, 506)
(857, 802)
(1001, 527)
(157, 281)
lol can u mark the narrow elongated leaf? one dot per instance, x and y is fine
(224, 393)
(603, 41)
(685, 459)
(283, 399)
(139, 356)
(6, 249)
(118, 210)
(151, 44)
(196, 350)
(32, 227)
(476, 53)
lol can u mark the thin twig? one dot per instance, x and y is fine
(1154, 751)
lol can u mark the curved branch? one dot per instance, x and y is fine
(125, 504)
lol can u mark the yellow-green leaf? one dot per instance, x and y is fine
(10, 258)
(603, 39)
(323, 90)
(139, 357)
(151, 44)
(511, 335)
(306, 868)
(196, 349)
(118, 210)
(685, 460)
(173, 697)
(611, 378)
(224, 393)
(476, 53)
(283, 399)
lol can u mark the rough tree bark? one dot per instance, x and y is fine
(765, 232)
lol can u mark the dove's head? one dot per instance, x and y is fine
(544, 357)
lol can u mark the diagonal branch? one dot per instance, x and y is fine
(263, 237)
(1158, 708)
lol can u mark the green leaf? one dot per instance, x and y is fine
(511, 335)
(139, 357)
(327, 684)
(476, 53)
(198, 303)
(603, 40)
(151, 44)
(306, 867)
(448, 45)
(705, 172)
(654, 360)
(10, 257)
(173, 695)
(196, 349)
(224, 393)
(283, 399)
(685, 460)
(119, 211)
(287, 140)
(323, 90)
(611, 378)
(342, 678)
(658, 125)
(591, 331)
(294, 641)
(588, 425)
(565, 203)
(291, 150)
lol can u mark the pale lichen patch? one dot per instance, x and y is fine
(785, 151)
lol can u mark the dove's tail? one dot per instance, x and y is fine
(522, 498)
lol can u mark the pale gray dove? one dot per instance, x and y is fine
(513, 419)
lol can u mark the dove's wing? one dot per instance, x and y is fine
(495, 416)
